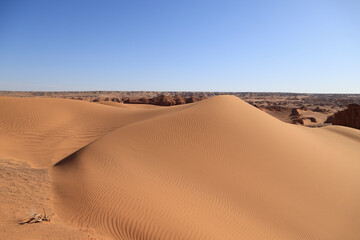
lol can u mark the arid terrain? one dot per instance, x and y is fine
(313, 110)
(214, 168)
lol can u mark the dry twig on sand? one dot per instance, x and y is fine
(36, 218)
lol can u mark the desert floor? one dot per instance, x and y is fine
(216, 169)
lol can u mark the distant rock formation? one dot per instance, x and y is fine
(106, 99)
(329, 119)
(294, 113)
(297, 120)
(312, 119)
(179, 100)
(304, 108)
(163, 100)
(115, 100)
(276, 108)
(295, 117)
(317, 109)
(349, 117)
(194, 99)
(136, 100)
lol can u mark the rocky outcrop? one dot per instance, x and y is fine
(179, 100)
(106, 99)
(194, 99)
(349, 117)
(329, 119)
(294, 113)
(295, 117)
(317, 109)
(136, 100)
(276, 108)
(312, 119)
(163, 100)
(115, 100)
(297, 120)
(304, 108)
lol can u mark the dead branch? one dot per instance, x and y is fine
(36, 218)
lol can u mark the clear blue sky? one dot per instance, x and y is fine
(194, 45)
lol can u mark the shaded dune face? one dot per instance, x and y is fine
(219, 169)
(216, 169)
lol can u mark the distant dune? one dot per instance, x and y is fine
(215, 169)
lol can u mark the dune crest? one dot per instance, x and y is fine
(215, 169)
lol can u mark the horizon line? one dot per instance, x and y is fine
(189, 91)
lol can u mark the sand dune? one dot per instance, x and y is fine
(216, 169)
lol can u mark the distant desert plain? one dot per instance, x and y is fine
(179, 165)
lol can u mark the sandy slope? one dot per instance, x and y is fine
(42, 131)
(217, 169)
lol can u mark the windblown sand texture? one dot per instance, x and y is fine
(215, 169)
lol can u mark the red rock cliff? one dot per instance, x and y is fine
(349, 117)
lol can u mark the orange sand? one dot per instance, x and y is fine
(216, 169)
